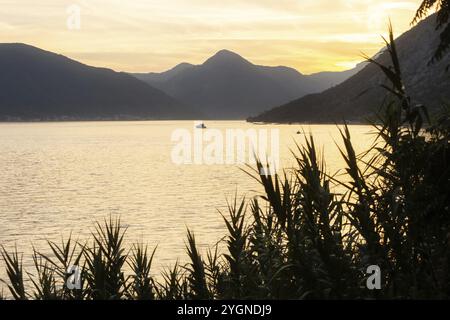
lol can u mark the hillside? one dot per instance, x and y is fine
(40, 85)
(361, 95)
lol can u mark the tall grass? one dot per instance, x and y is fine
(301, 239)
(142, 284)
(15, 274)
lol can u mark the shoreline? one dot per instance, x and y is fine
(3, 121)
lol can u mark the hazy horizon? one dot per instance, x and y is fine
(150, 36)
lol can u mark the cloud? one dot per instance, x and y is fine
(150, 35)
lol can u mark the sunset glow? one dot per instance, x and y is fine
(142, 35)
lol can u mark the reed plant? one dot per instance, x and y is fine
(14, 272)
(142, 283)
(174, 285)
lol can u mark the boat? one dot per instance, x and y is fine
(201, 126)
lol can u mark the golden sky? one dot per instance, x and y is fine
(155, 35)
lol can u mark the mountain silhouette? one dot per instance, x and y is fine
(361, 95)
(227, 86)
(40, 85)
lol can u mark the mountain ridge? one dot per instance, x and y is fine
(361, 95)
(42, 85)
(227, 86)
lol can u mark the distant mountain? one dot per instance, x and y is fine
(327, 79)
(40, 85)
(227, 86)
(156, 79)
(361, 95)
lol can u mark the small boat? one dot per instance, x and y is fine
(200, 126)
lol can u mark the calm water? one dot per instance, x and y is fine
(58, 178)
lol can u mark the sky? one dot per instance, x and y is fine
(153, 36)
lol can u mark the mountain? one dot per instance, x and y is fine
(37, 84)
(361, 95)
(327, 79)
(226, 86)
(157, 78)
